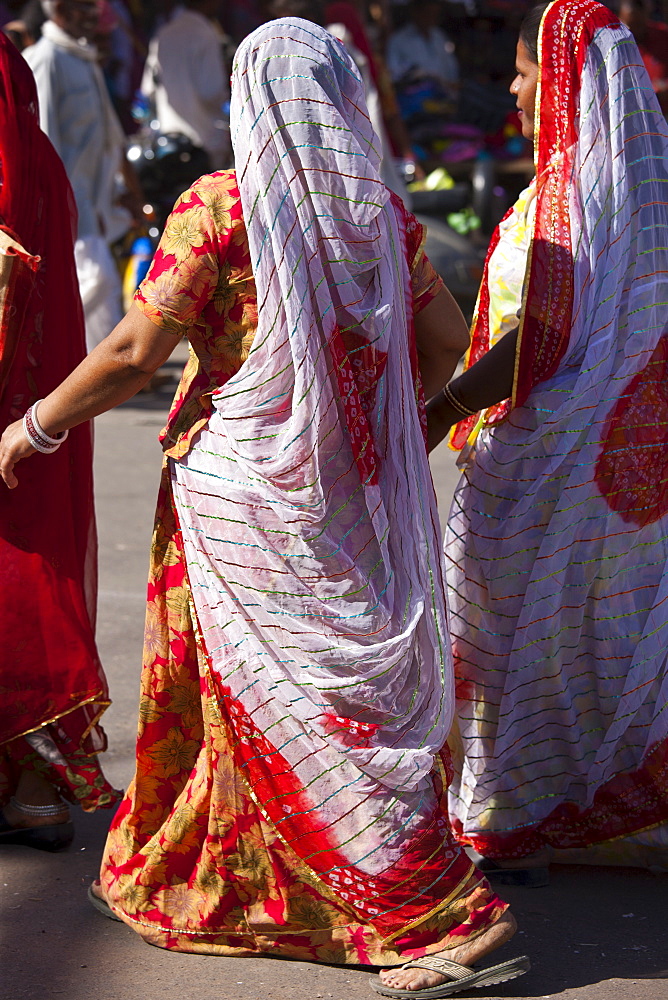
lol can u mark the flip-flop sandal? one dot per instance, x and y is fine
(530, 878)
(463, 977)
(101, 905)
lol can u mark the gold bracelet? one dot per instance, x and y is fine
(455, 404)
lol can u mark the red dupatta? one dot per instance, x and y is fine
(50, 668)
(566, 31)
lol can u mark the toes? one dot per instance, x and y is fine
(393, 977)
(394, 982)
(401, 982)
(410, 979)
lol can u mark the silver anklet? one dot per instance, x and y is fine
(29, 810)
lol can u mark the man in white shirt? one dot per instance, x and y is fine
(185, 76)
(421, 49)
(77, 115)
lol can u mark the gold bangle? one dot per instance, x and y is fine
(455, 404)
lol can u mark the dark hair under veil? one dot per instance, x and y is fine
(531, 26)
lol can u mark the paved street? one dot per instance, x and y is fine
(593, 934)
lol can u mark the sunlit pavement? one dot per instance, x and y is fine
(593, 934)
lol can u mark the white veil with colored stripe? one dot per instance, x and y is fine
(559, 529)
(307, 505)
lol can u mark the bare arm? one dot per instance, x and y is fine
(442, 337)
(485, 383)
(118, 368)
(123, 363)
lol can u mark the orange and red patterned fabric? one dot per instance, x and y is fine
(191, 862)
(196, 859)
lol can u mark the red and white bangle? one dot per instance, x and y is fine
(36, 436)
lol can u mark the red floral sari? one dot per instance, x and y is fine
(193, 863)
(52, 688)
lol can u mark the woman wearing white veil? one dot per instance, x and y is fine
(559, 529)
(297, 684)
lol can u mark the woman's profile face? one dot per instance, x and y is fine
(524, 87)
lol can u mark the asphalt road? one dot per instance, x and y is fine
(593, 934)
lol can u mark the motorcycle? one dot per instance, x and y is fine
(166, 166)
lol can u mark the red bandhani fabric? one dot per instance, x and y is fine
(557, 534)
(634, 480)
(546, 321)
(50, 668)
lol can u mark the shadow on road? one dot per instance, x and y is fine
(590, 926)
(593, 934)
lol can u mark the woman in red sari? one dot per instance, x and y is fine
(52, 688)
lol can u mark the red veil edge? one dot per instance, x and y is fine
(548, 293)
(51, 670)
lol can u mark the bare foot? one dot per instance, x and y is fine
(464, 954)
(96, 889)
(34, 790)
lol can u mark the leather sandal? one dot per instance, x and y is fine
(55, 837)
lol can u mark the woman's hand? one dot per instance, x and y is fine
(119, 367)
(485, 383)
(14, 446)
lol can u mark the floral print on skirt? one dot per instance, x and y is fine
(191, 862)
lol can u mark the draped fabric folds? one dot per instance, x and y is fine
(559, 529)
(306, 505)
(219, 846)
(50, 672)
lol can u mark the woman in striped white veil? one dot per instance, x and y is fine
(559, 530)
(297, 685)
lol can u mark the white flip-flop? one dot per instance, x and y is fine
(463, 977)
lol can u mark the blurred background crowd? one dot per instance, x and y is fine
(134, 95)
